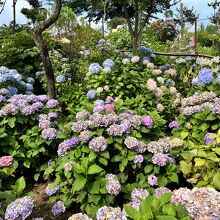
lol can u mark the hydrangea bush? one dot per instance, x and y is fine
(102, 147)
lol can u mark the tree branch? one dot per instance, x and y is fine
(47, 23)
(3, 6)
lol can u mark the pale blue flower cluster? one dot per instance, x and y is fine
(108, 63)
(11, 75)
(91, 94)
(205, 76)
(60, 79)
(95, 68)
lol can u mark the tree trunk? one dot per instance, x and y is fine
(39, 41)
(135, 43)
(103, 26)
(14, 15)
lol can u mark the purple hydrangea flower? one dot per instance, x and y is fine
(91, 94)
(205, 76)
(110, 213)
(113, 185)
(52, 103)
(174, 124)
(67, 145)
(152, 180)
(52, 115)
(98, 144)
(20, 209)
(2, 98)
(138, 159)
(58, 208)
(49, 133)
(160, 159)
(95, 68)
(208, 139)
(51, 191)
(147, 121)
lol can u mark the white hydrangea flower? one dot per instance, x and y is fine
(135, 59)
(99, 90)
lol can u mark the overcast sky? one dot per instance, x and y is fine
(199, 5)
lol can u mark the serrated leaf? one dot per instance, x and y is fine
(94, 169)
(132, 212)
(145, 210)
(79, 183)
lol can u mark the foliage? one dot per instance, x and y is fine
(18, 51)
(157, 208)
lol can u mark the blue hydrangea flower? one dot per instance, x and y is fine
(146, 58)
(218, 79)
(205, 76)
(148, 50)
(108, 63)
(30, 80)
(153, 56)
(12, 90)
(60, 79)
(95, 68)
(91, 94)
(99, 102)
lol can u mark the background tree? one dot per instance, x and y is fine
(184, 16)
(215, 19)
(137, 13)
(40, 42)
(66, 23)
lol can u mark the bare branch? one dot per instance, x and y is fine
(47, 23)
(2, 4)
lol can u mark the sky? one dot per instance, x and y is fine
(6, 16)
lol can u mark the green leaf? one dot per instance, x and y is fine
(216, 180)
(19, 186)
(165, 198)
(184, 134)
(162, 181)
(148, 168)
(92, 156)
(217, 150)
(116, 158)
(185, 167)
(11, 122)
(132, 212)
(165, 217)
(94, 169)
(145, 210)
(79, 183)
(199, 162)
(174, 178)
(169, 209)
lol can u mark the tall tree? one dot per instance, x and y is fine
(215, 19)
(40, 42)
(184, 15)
(136, 12)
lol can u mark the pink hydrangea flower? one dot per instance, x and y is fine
(147, 121)
(6, 161)
(109, 107)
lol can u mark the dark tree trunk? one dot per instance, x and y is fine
(38, 38)
(135, 43)
(14, 15)
(44, 54)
